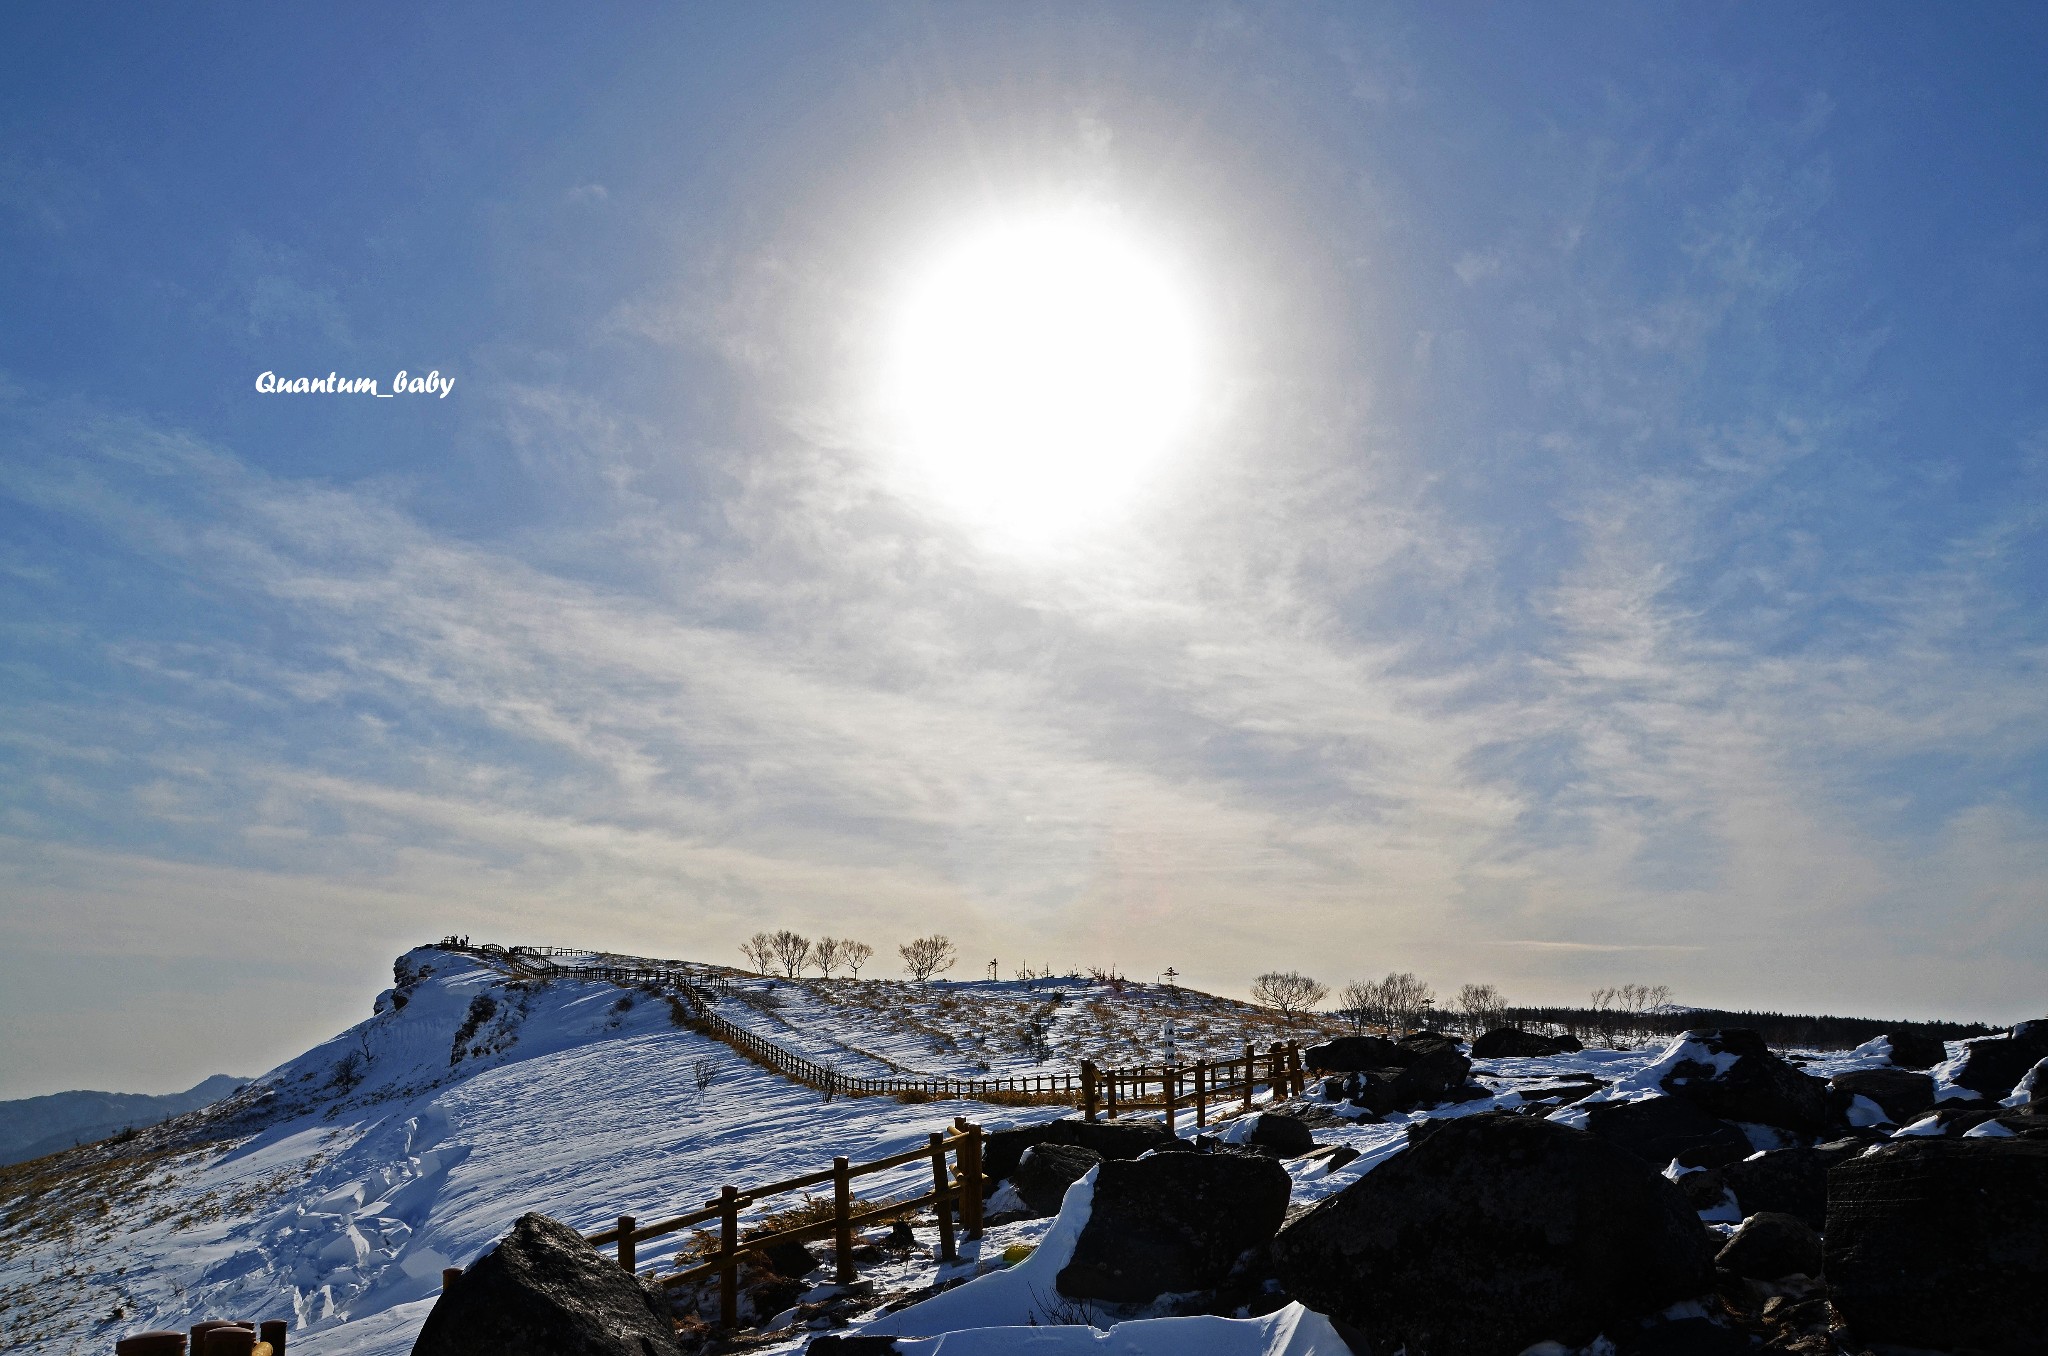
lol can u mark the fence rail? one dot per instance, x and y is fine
(955, 1191)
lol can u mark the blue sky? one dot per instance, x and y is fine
(1614, 551)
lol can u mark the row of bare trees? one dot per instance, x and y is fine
(1403, 1002)
(791, 953)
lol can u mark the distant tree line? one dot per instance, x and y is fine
(1597, 1025)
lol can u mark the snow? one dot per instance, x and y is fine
(1015, 1296)
(1012, 1311)
(1292, 1331)
(397, 1151)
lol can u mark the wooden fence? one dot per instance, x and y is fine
(1194, 1087)
(1021, 1089)
(955, 1191)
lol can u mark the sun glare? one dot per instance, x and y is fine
(1039, 369)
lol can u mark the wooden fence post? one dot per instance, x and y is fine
(1109, 1094)
(842, 1221)
(943, 1206)
(628, 1262)
(1250, 1070)
(728, 1244)
(1201, 1093)
(970, 1177)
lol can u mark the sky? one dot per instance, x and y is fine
(1602, 541)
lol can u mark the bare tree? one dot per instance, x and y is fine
(759, 950)
(854, 955)
(1361, 1003)
(706, 1072)
(828, 956)
(792, 951)
(1290, 993)
(1400, 1000)
(1482, 1006)
(927, 956)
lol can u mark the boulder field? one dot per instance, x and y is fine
(1896, 1208)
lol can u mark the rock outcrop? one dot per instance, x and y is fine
(1740, 1079)
(1942, 1243)
(1173, 1223)
(1352, 1054)
(1658, 1130)
(1494, 1232)
(1992, 1065)
(1904, 1095)
(1003, 1149)
(1046, 1171)
(1285, 1135)
(1915, 1049)
(543, 1291)
(1508, 1042)
(1770, 1246)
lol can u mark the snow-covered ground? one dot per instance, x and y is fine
(411, 1142)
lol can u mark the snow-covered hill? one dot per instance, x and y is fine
(334, 1189)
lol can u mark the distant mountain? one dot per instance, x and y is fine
(35, 1126)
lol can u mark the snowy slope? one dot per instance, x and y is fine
(334, 1190)
(348, 1206)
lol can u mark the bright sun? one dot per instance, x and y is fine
(1039, 369)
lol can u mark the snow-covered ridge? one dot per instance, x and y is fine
(334, 1190)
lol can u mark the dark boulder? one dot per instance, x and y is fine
(543, 1291)
(1491, 1233)
(1285, 1135)
(1046, 1171)
(1942, 1243)
(1371, 1090)
(1412, 1048)
(1660, 1129)
(1002, 1150)
(1993, 1065)
(1915, 1049)
(859, 1344)
(1434, 1077)
(1508, 1042)
(791, 1260)
(1705, 1190)
(1115, 1139)
(1770, 1245)
(1349, 1054)
(1784, 1181)
(1902, 1094)
(1757, 1086)
(1173, 1223)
